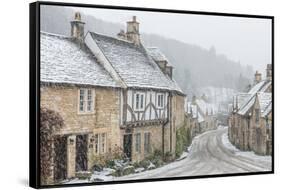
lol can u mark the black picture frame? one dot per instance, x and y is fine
(34, 91)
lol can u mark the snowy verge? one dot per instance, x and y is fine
(246, 154)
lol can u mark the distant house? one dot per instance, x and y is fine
(112, 93)
(250, 121)
(201, 115)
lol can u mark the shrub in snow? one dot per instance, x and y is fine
(138, 170)
(168, 157)
(97, 167)
(108, 160)
(151, 166)
(158, 162)
(128, 170)
(83, 175)
(144, 163)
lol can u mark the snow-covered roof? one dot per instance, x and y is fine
(260, 87)
(267, 110)
(247, 99)
(64, 61)
(133, 64)
(239, 99)
(265, 86)
(205, 107)
(263, 98)
(156, 54)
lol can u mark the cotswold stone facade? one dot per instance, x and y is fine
(250, 122)
(114, 95)
(104, 119)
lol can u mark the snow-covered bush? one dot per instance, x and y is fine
(107, 160)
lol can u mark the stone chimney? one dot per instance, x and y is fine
(132, 33)
(269, 72)
(77, 28)
(257, 77)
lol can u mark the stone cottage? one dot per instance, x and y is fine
(112, 92)
(201, 115)
(250, 122)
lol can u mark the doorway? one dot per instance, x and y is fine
(81, 160)
(60, 161)
(127, 145)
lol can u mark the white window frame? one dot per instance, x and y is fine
(103, 140)
(97, 143)
(138, 142)
(139, 107)
(86, 101)
(147, 142)
(100, 145)
(157, 99)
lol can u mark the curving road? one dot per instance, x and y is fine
(210, 153)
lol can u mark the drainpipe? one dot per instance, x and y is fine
(165, 124)
(170, 119)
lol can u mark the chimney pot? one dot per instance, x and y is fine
(257, 77)
(77, 16)
(134, 18)
(77, 28)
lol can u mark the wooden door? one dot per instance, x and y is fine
(127, 145)
(81, 160)
(60, 161)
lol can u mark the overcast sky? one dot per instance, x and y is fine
(247, 40)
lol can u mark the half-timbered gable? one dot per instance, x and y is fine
(147, 85)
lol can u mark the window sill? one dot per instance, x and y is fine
(86, 113)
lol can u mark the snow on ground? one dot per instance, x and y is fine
(247, 154)
(209, 153)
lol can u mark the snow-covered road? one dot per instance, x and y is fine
(210, 153)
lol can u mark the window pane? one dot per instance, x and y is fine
(103, 142)
(137, 101)
(81, 100)
(89, 100)
(147, 142)
(141, 103)
(138, 142)
(96, 143)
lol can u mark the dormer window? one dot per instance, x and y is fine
(86, 100)
(139, 101)
(160, 100)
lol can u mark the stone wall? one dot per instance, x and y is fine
(155, 140)
(105, 117)
(247, 134)
(177, 119)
